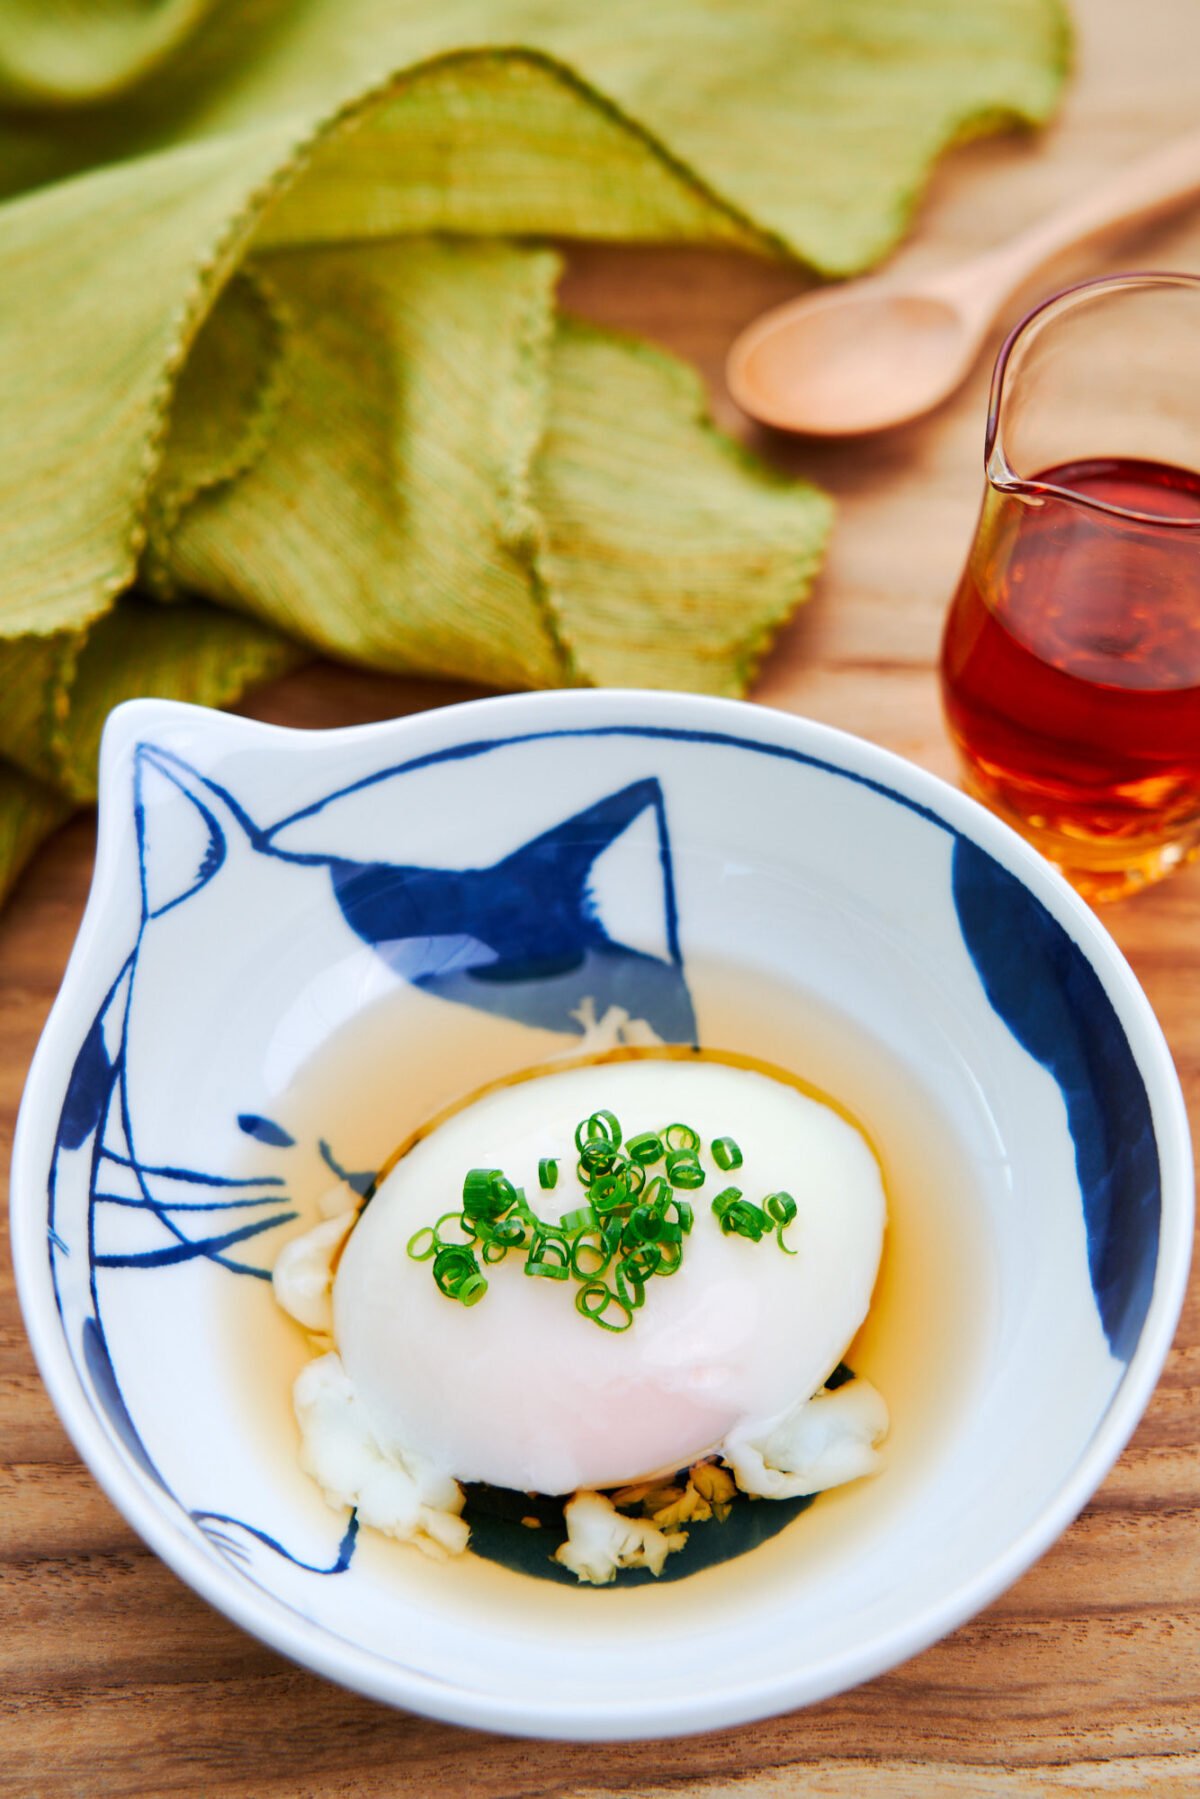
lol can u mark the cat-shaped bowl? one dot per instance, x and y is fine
(298, 945)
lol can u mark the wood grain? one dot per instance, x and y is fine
(1085, 1677)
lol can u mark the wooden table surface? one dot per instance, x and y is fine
(1085, 1677)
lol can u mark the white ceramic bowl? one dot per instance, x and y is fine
(297, 942)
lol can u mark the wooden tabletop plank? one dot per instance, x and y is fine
(1085, 1678)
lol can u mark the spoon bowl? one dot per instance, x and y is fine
(855, 362)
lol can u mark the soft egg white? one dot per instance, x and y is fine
(521, 1391)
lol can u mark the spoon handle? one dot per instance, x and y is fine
(1150, 188)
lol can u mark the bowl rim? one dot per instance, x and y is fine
(312, 1645)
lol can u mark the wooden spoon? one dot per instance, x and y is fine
(878, 353)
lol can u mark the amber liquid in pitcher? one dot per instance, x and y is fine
(1071, 657)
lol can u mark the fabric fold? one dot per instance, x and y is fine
(273, 382)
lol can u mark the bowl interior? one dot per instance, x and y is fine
(299, 948)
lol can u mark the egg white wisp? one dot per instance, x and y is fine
(521, 1391)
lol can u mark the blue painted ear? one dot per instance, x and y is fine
(538, 933)
(538, 908)
(182, 829)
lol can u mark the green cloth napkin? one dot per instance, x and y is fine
(275, 379)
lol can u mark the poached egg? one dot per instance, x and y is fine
(521, 1391)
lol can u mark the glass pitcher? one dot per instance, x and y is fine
(1070, 660)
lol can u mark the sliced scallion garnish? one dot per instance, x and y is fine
(457, 1274)
(427, 1238)
(631, 1226)
(683, 1168)
(739, 1217)
(596, 1301)
(780, 1209)
(549, 1257)
(726, 1154)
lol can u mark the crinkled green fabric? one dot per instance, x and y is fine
(275, 380)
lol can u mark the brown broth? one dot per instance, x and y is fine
(929, 1316)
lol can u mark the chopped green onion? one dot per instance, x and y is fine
(646, 1223)
(549, 1258)
(487, 1194)
(596, 1158)
(607, 1192)
(641, 1262)
(750, 1221)
(472, 1290)
(726, 1154)
(780, 1209)
(457, 1274)
(632, 1173)
(584, 1246)
(630, 1220)
(631, 1287)
(739, 1217)
(683, 1168)
(508, 1231)
(601, 1127)
(610, 1232)
(595, 1299)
